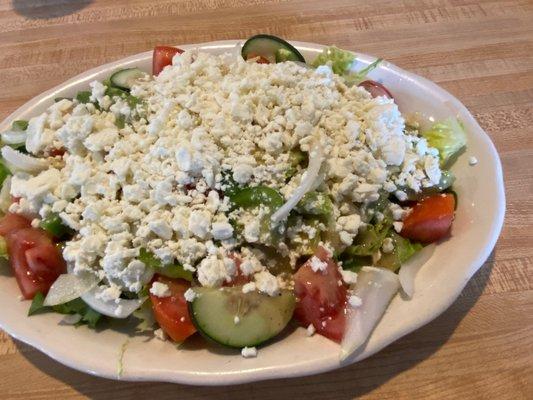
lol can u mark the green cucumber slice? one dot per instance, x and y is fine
(124, 78)
(273, 48)
(259, 316)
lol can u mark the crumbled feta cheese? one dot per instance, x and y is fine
(160, 289)
(310, 331)
(397, 226)
(355, 301)
(190, 295)
(248, 287)
(160, 334)
(267, 283)
(249, 352)
(388, 245)
(472, 160)
(317, 264)
(236, 319)
(348, 277)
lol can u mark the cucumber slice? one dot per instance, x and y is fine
(124, 78)
(273, 48)
(260, 317)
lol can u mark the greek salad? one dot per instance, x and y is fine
(227, 195)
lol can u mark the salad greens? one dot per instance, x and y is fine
(74, 307)
(315, 203)
(341, 63)
(170, 270)
(55, 226)
(449, 138)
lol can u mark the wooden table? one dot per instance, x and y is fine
(482, 52)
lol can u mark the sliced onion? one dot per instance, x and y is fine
(410, 268)
(5, 195)
(14, 137)
(121, 308)
(316, 157)
(375, 287)
(69, 287)
(22, 161)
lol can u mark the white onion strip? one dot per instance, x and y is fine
(5, 195)
(316, 157)
(22, 161)
(13, 137)
(375, 287)
(120, 308)
(410, 268)
(68, 287)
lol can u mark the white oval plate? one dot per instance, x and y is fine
(477, 226)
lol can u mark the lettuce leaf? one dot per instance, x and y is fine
(339, 60)
(449, 138)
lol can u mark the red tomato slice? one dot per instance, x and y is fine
(12, 222)
(430, 219)
(321, 300)
(34, 259)
(376, 89)
(172, 312)
(163, 57)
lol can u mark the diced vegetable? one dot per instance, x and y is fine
(172, 312)
(321, 300)
(55, 226)
(236, 319)
(449, 138)
(162, 57)
(21, 161)
(125, 78)
(315, 203)
(271, 48)
(168, 270)
(430, 219)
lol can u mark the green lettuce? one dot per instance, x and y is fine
(449, 138)
(341, 62)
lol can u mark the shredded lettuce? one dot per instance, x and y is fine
(73, 307)
(339, 60)
(449, 138)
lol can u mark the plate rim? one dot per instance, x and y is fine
(292, 370)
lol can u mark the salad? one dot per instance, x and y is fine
(227, 195)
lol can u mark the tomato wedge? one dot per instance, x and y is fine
(376, 89)
(163, 57)
(172, 312)
(35, 260)
(12, 222)
(321, 300)
(430, 219)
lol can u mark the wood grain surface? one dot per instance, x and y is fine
(481, 51)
